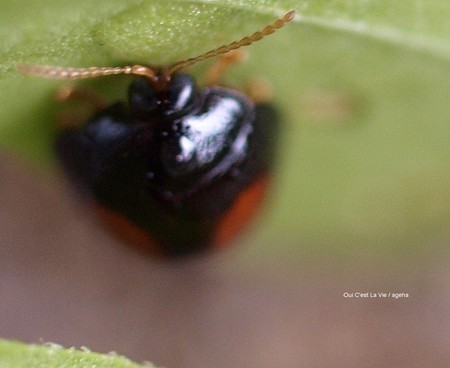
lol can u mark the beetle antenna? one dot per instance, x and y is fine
(267, 30)
(81, 73)
(45, 71)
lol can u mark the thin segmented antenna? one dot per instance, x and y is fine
(145, 71)
(267, 30)
(81, 73)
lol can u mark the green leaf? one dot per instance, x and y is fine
(18, 355)
(363, 85)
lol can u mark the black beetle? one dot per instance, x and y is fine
(178, 169)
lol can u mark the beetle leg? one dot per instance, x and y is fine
(259, 91)
(223, 62)
(70, 93)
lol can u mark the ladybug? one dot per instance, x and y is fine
(177, 169)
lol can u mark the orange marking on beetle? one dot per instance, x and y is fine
(244, 208)
(124, 229)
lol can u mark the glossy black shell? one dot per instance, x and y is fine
(174, 161)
